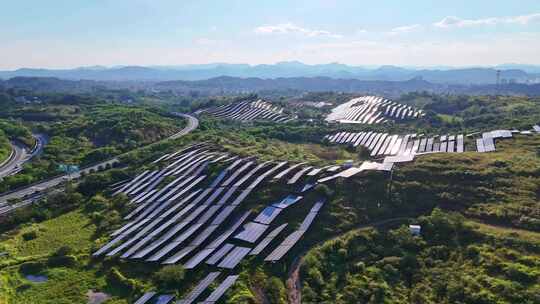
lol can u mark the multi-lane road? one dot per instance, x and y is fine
(33, 192)
(21, 155)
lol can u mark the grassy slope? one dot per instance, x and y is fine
(472, 263)
(65, 284)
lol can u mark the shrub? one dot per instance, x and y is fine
(32, 267)
(170, 276)
(29, 235)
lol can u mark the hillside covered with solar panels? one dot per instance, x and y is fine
(290, 197)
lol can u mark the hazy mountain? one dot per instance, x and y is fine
(288, 69)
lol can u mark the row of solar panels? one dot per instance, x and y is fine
(195, 293)
(155, 217)
(371, 110)
(294, 237)
(207, 209)
(247, 111)
(383, 144)
(487, 142)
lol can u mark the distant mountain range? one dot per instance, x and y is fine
(443, 75)
(226, 85)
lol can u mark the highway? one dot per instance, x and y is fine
(17, 158)
(21, 155)
(31, 193)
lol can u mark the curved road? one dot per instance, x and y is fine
(21, 155)
(17, 158)
(32, 192)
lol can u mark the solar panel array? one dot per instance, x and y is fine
(167, 218)
(384, 144)
(250, 110)
(220, 290)
(199, 289)
(182, 218)
(487, 142)
(372, 110)
(293, 238)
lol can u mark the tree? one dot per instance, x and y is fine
(170, 276)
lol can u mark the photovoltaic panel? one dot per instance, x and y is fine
(268, 215)
(307, 221)
(252, 231)
(234, 257)
(288, 201)
(164, 299)
(298, 175)
(480, 145)
(145, 298)
(198, 258)
(451, 146)
(460, 146)
(237, 173)
(199, 289)
(221, 289)
(286, 171)
(314, 171)
(130, 183)
(223, 214)
(241, 197)
(307, 187)
(225, 235)
(216, 257)
(266, 241)
(249, 174)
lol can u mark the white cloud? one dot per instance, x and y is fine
(453, 21)
(405, 29)
(290, 28)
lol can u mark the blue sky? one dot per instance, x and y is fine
(70, 33)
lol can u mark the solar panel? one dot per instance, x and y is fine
(451, 145)
(199, 289)
(480, 145)
(298, 175)
(460, 146)
(223, 237)
(536, 128)
(198, 258)
(266, 241)
(237, 173)
(249, 174)
(429, 144)
(286, 171)
(234, 257)
(252, 231)
(318, 205)
(145, 298)
(241, 197)
(216, 257)
(307, 221)
(307, 187)
(218, 179)
(314, 171)
(288, 201)
(179, 255)
(489, 144)
(221, 289)
(130, 183)
(226, 196)
(222, 216)
(268, 215)
(164, 299)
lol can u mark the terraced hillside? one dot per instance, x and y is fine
(372, 110)
(271, 213)
(250, 110)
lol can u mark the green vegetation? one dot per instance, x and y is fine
(84, 133)
(452, 261)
